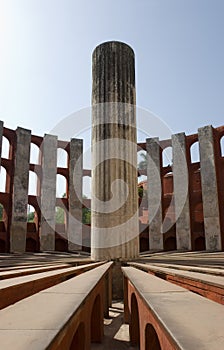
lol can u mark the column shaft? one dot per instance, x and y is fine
(209, 189)
(48, 192)
(20, 191)
(75, 195)
(154, 193)
(181, 192)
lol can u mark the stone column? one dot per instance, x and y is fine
(48, 192)
(181, 192)
(154, 193)
(209, 189)
(114, 231)
(1, 132)
(20, 191)
(75, 195)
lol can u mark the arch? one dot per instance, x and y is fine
(194, 152)
(142, 159)
(31, 245)
(151, 338)
(222, 146)
(33, 183)
(199, 243)
(34, 154)
(61, 186)
(167, 156)
(2, 246)
(86, 186)
(62, 158)
(144, 244)
(60, 215)
(170, 243)
(78, 341)
(3, 176)
(96, 321)
(61, 245)
(134, 322)
(5, 147)
(30, 213)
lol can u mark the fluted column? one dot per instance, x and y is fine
(114, 228)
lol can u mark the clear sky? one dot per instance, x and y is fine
(46, 48)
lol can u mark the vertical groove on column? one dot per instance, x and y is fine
(75, 195)
(181, 192)
(112, 235)
(209, 189)
(20, 191)
(48, 192)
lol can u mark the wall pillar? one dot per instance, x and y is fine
(20, 191)
(75, 195)
(114, 227)
(154, 193)
(181, 192)
(48, 192)
(209, 189)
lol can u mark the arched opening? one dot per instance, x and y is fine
(78, 341)
(200, 243)
(222, 146)
(33, 184)
(97, 321)
(3, 176)
(151, 338)
(61, 186)
(30, 214)
(2, 246)
(60, 216)
(5, 147)
(61, 245)
(144, 244)
(86, 186)
(167, 157)
(198, 218)
(34, 154)
(194, 152)
(142, 160)
(31, 245)
(170, 244)
(62, 158)
(134, 322)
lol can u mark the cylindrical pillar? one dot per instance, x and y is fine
(114, 226)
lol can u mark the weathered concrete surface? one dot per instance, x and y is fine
(75, 195)
(190, 321)
(154, 193)
(1, 132)
(48, 192)
(20, 191)
(209, 189)
(58, 312)
(181, 192)
(114, 227)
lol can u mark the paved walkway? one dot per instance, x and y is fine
(116, 334)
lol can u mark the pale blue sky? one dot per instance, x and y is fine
(46, 48)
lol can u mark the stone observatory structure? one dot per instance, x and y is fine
(114, 225)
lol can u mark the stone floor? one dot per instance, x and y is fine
(116, 334)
